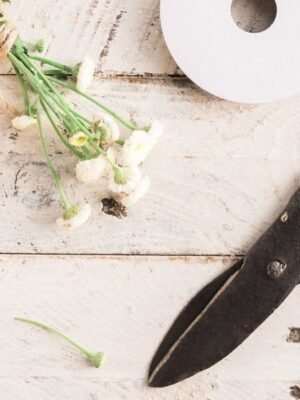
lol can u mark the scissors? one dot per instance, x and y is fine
(230, 308)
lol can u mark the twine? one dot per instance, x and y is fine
(8, 35)
(8, 107)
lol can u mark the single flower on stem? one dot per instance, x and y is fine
(106, 129)
(124, 179)
(85, 74)
(90, 171)
(136, 148)
(140, 143)
(75, 216)
(24, 122)
(96, 359)
(133, 197)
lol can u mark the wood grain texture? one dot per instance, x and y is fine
(68, 388)
(124, 305)
(123, 36)
(220, 175)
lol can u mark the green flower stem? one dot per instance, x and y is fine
(37, 46)
(53, 93)
(87, 153)
(79, 124)
(56, 73)
(81, 117)
(98, 149)
(33, 68)
(24, 91)
(120, 142)
(120, 119)
(33, 81)
(73, 118)
(51, 166)
(53, 63)
(62, 138)
(55, 96)
(43, 95)
(65, 108)
(95, 358)
(47, 106)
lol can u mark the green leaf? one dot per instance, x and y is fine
(39, 46)
(120, 142)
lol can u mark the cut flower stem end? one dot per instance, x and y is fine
(96, 359)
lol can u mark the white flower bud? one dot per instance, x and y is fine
(89, 171)
(23, 122)
(139, 192)
(79, 139)
(108, 127)
(85, 74)
(131, 178)
(136, 148)
(81, 215)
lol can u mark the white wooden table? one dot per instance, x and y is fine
(222, 173)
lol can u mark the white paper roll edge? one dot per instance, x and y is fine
(229, 62)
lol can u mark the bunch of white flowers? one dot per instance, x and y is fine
(125, 180)
(104, 156)
(132, 185)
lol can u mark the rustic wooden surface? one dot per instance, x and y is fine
(221, 174)
(123, 305)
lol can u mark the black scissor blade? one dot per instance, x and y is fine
(269, 273)
(190, 312)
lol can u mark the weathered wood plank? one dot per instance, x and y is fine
(222, 173)
(78, 388)
(220, 176)
(124, 305)
(124, 36)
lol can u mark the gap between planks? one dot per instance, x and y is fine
(138, 77)
(209, 257)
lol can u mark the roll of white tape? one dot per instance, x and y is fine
(228, 62)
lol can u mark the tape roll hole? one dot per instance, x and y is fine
(254, 16)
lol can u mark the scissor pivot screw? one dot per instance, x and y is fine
(276, 269)
(284, 217)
